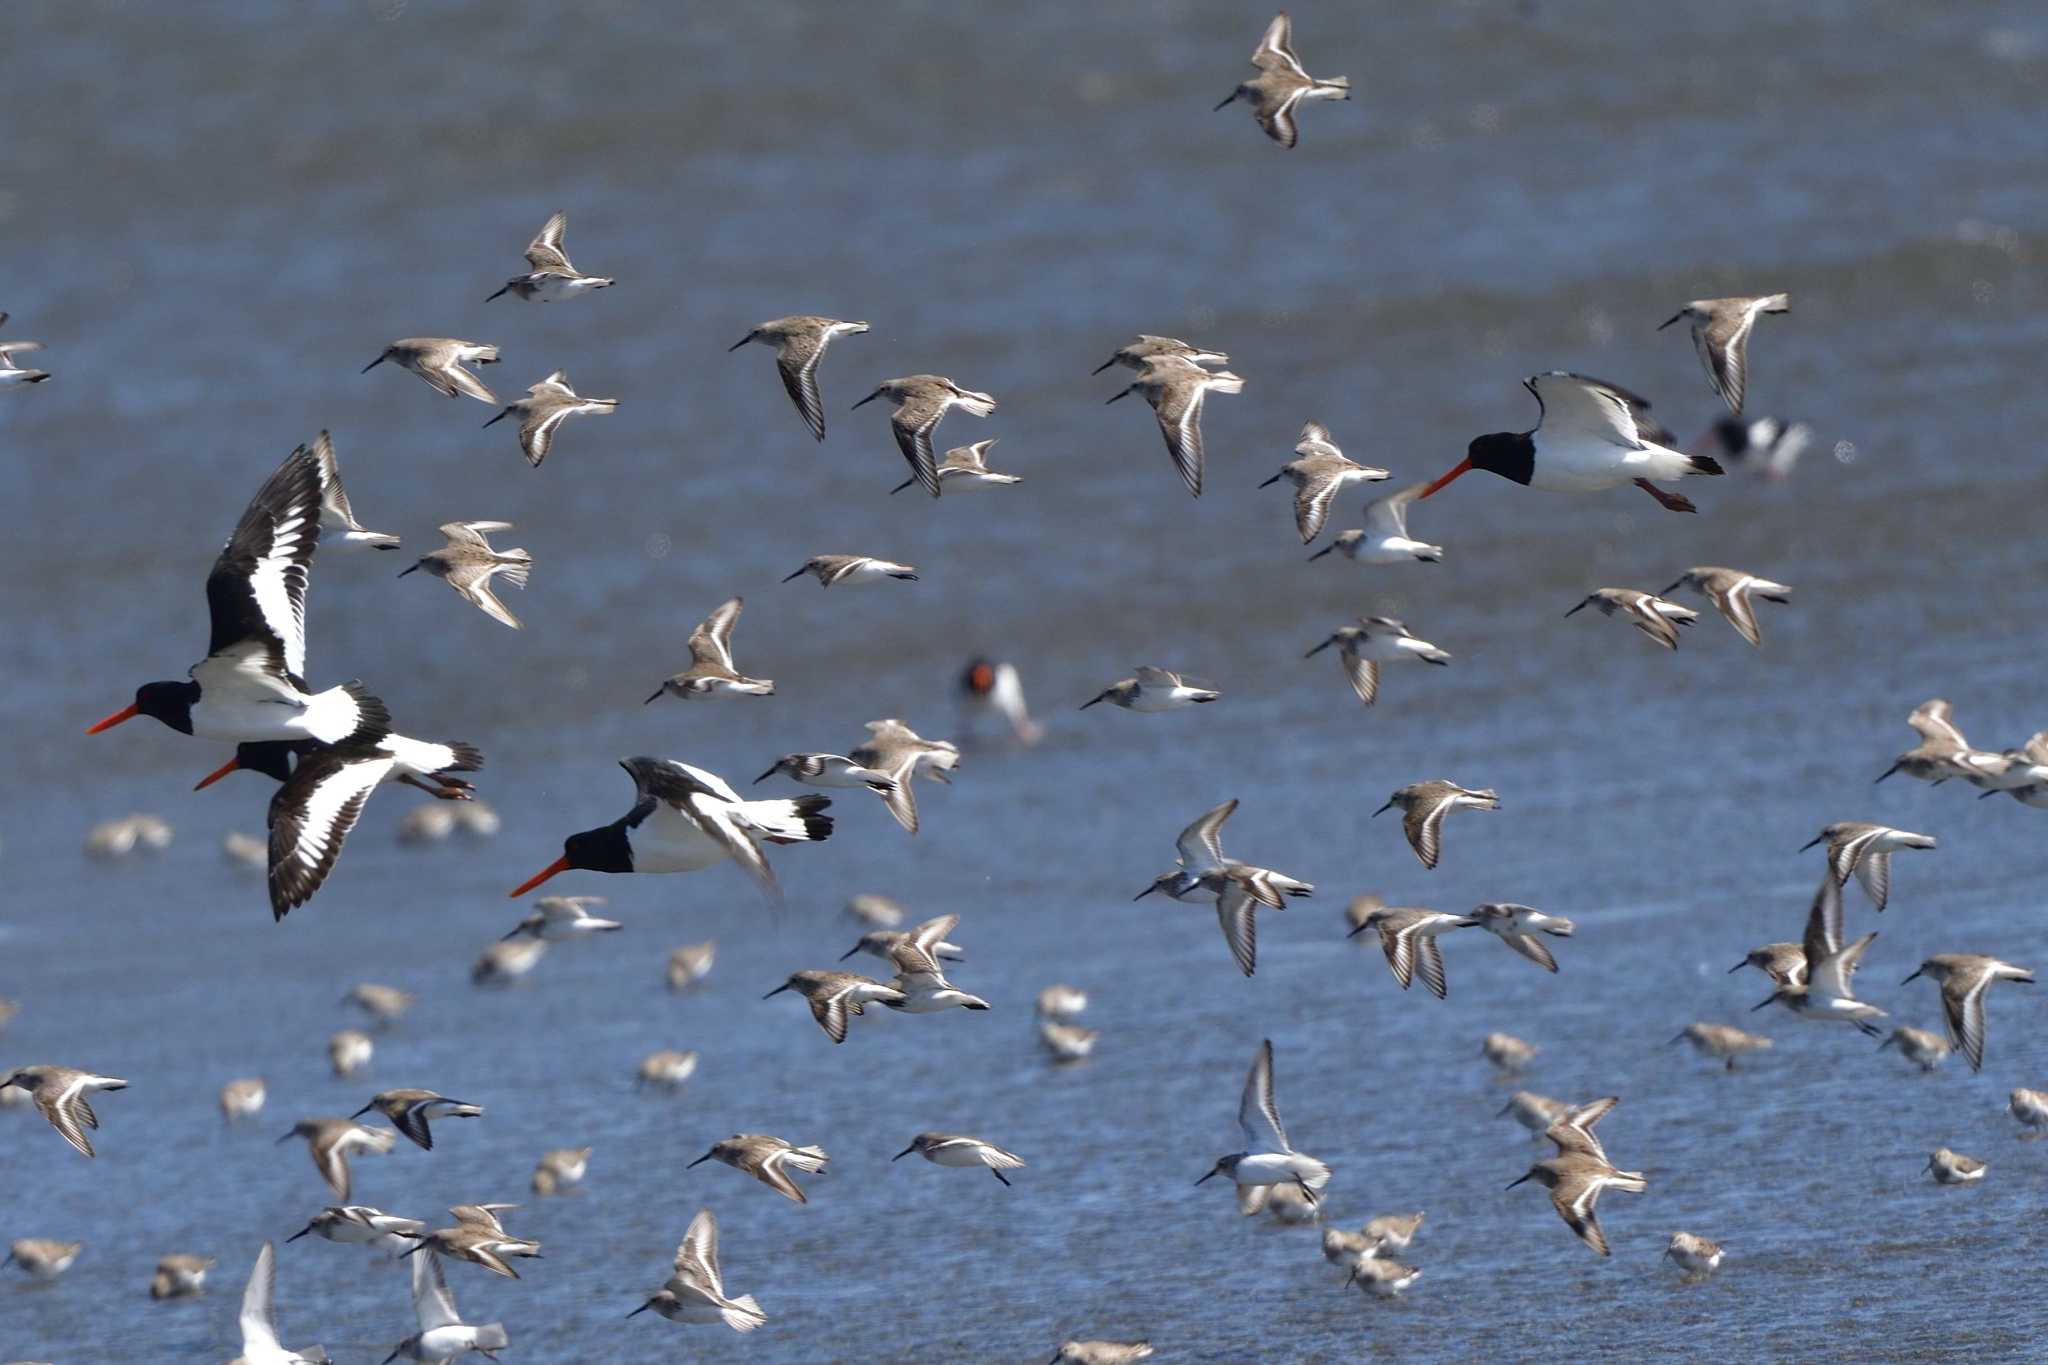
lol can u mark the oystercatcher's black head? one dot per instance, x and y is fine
(1510, 454)
(605, 849)
(272, 758)
(169, 702)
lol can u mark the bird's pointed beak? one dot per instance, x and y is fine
(560, 864)
(217, 774)
(1814, 840)
(1916, 973)
(1125, 393)
(904, 1153)
(741, 342)
(650, 1303)
(1086, 704)
(1579, 608)
(1211, 1171)
(867, 400)
(1888, 772)
(1320, 553)
(286, 1138)
(1512, 1183)
(1382, 810)
(375, 363)
(699, 1161)
(1275, 479)
(1146, 892)
(1325, 644)
(1463, 466)
(1673, 318)
(1761, 1003)
(417, 1247)
(849, 952)
(1672, 589)
(656, 697)
(770, 773)
(798, 574)
(403, 572)
(499, 418)
(401, 1346)
(1738, 966)
(364, 1110)
(777, 991)
(1361, 929)
(1226, 103)
(300, 1233)
(1103, 366)
(901, 486)
(125, 713)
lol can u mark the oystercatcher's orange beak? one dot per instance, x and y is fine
(125, 713)
(217, 774)
(1464, 466)
(560, 864)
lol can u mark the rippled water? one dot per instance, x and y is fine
(215, 218)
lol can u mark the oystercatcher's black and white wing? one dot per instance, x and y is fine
(256, 593)
(311, 816)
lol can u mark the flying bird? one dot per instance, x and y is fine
(546, 406)
(800, 344)
(1319, 473)
(921, 401)
(1720, 333)
(549, 275)
(439, 361)
(1176, 388)
(468, 563)
(711, 673)
(1282, 84)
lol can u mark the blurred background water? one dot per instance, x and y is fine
(214, 215)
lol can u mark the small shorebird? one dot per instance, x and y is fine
(331, 1140)
(1282, 84)
(1384, 538)
(685, 819)
(384, 1004)
(1424, 806)
(1953, 1168)
(882, 944)
(259, 1320)
(443, 1335)
(837, 771)
(117, 838)
(1176, 389)
(180, 1276)
(1720, 333)
(1589, 436)
(1940, 753)
(711, 674)
(557, 919)
(1394, 1231)
(880, 911)
(549, 403)
(1925, 1050)
(42, 1259)
(902, 755)
(2030, 1107)
(690, 964)
(506, 961)
(339, 529)
(1343, 1248)
(1866, 850)
(1152, 690)
(695, 1293)
(361, 1225)
(1145, 349)
(1408, 938)
(1580, 1171)
(560, 1171)
(1237, 889)
(1730, 591)
(1827, 993)
(241, 1099)
(832, 570)
(921, 400)
(1964, 977)
(10, 371)
(410, 1111)
(966, 468)
(1267, 1158)
(1102, 1352)
(1518, 925)
(1696, 1256)
(1067, 1042)
(1508, 1053)
(800, 344)
(1783, 963)
(1376, 640)
(1287, 1204)
(1382, 1278)
(1647, 612)
(666, 1068)
(1319, 473)
(468, 563)
(549, 275)
(349, 1051)
(1722, 1042)
(958, 1150)
(59, 1092)
(1533, 1111)
(1060, 1001)
(920, 983)
(765, 1158)
(483, 1243)
(439, 361)
(833, 996)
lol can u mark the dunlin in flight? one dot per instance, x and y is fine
(1939, 754)
(835, 996)
(1827, 992)
(800, 344)
(838, 771)
(1394, 1231)
(557, 919)
(1384, 538)
(384, 1004)
(1061, 1001)
(666, 1068)
(690, 964)
(1145, 349)
(1964, 977)
(965, 468)
(1281, 85)
(960, 1151)
(1533, 1111)
(411, 1110)
(1408, 937)
(1067, 1042)
(769, 1160)
(11, 371)
(920, 983)
(480, 1243)
(1730, 590)
(1518, 925)
(1720, 333)
(882, 944)
(443, 1335)
(439, 361)
(1319, 473)
(243, 1098)
(362, 1225)
(1176, 389)
(1237, 889)
(1856, 846)
(507, 961)
(1373, 641)
(1424, 806)
(1580, 1171)
(1647, 612)
(549, 275)
(560, 1171)
(548, 403)
(1508, 1053)
(921, 400)
(259, 1320)
(1783, 963)
(339, 529)
(59, 1092)
(468, 563)
(332, 1140)
(1267, 1157)
(900, 753)
(1151, 690)
(833, 570)
(695, 1293)
(711, 673)
(349, 1051)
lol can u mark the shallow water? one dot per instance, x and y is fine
(234, 213)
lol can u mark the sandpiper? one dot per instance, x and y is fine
(548, 403)
(1381, 1277)
(349, 1051)
(1176, 389)
(882, 944)
(411, 1110)
(12, 372)
(1145, 349)
(1533, 1111)
(959, 1150)
(1061, 1001)
(1518, 925)
(480, 1243)
(439, 361)
(833, 996)
(1722, 1042)
(1346, 1249)
(1384, 538)
(838, 771)
(665, 1068)
(1696, 1256)
(41, 1258)
(1267, 1158)
(1319, 473)
(1282, 84)
(1925, 1050)
(921, 400)
(59, 1092)
(1827, 992)
(1589, 436)
(507, 961)
(920, 983)
(1720, 333)
(1151, 690)
(2030, 1107)
(1373, 641)
(362, 1225)
(1102, 1352)
(689, 964)
(1647, 612)
(901, 754)
(549, 275)
(695, 1293)
(259, 1320)
(833, 570)
(1939, 754)
(1408, 937)
(711, 673)
(1964, 977)
(966, 468)
(110, 840)
(1508, 1053)
(1289, 1206)
(180, 1275)
(1783, 963)
(765, 1158)
(800, 344)
(467, 563)
(1953, 1168)
(243, 1098)
(1424, 806)
(1067, 1042)
(331, 1140)
(880, 911)
(1580, 1171)
(1237, 889)
(560, 1171)
(560, 918)
(1394, 1231)
(1866, 850)
(443, 1335)
(1730, 591)
(339, 529)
